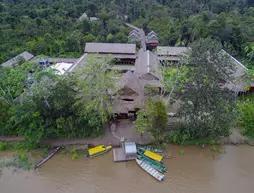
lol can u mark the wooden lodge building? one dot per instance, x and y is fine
(124, 54)
(24, 56)
(140, 69)
(170, 55)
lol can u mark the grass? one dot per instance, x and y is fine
(177, 138)
(12, 146)
(20, 160)
(201, 142)
(74, 153)
(3, 146)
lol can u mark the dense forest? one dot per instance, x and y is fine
(52, 27)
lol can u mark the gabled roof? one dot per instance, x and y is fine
(83, 17)
(240, 69)
(240, 80)
(134, 90)
(14, 61)
(110, 48)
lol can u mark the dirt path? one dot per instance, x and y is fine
(11, 138)
(112, 135)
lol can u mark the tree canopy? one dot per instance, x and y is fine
(54, 28)
(153, 119)
(55, 106)
(208, 106)
(96, 86)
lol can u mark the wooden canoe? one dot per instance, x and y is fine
(150, 170)
(156, 165)
(44, 160)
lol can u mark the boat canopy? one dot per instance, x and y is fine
(153, 155)
(96, 149)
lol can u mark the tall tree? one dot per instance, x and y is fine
(153, 119)
(208, 108)
(96, 84)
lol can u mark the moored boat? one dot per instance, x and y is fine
(156, 165)
(152, 155)
(150, 170)
(98, 150)
(150, 148)
(44, 160)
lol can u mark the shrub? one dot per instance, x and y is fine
(153, 119)
(3, 146)
(246, 116)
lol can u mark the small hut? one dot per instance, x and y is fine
(152, 40)
(130, 150)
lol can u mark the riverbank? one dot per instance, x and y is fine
(112, 136)
(125, 129)
(236, 138)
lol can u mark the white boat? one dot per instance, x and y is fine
(150, 170)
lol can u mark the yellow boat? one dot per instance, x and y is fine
(154, 156)
(98, 150)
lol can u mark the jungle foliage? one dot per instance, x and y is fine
(53, 27)
(38, 104)
(208, 108)
(245, 108)
(52, 106)
(153, 119)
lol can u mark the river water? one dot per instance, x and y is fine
(192, 170)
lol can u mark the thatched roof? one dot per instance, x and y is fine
(240, 69)
(110, 48)
(130, 94)
(240, 80)
(171, 51)
(14, 61)
(130, 80)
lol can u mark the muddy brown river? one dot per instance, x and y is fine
(192, 170)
